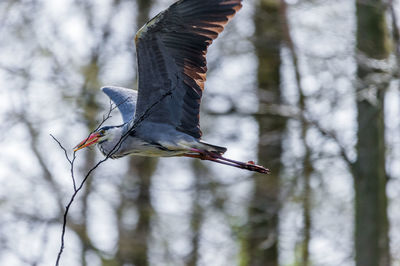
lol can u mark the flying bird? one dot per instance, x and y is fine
(161, 118)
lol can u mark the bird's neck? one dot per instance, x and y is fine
(113, 140)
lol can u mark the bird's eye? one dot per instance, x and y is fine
(102, 132)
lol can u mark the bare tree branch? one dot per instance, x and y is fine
(71, 161)
(331, 135)
(115, 148)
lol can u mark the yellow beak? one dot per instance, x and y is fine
(92, 139)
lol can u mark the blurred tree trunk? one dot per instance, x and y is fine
(197, 216)
(195, 224)
(89, 89)
(262, 239)
(371, 220)
(133, 242)
(91, 107)
(308, 168)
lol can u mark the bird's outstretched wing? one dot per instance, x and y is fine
(124, 99)
(171, 50)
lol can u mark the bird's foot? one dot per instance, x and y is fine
(218, 158)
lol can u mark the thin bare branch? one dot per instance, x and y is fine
(71, 161)
(115, 148)
(333, 137)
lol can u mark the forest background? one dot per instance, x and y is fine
(308, 88)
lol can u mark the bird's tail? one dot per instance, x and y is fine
(214, 148)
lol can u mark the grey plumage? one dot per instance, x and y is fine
(125, 99)
(149, 138)
(162, 118)
(171, 50)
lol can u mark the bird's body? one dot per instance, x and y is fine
(161, 119)
(152, 140)
(145, 138)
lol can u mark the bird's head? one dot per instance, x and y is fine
(99, 136)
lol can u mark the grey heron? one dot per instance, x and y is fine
(171, 52)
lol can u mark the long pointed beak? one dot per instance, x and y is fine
(92, 139)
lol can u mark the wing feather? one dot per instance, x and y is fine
(171, 50)
(124, 99)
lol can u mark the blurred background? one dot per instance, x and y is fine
(308, 88)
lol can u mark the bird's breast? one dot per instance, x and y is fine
(140, 147)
